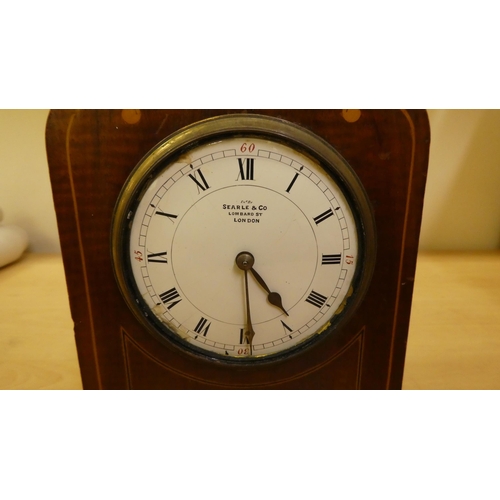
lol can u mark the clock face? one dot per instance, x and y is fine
(242, 238)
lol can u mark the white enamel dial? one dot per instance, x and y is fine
(250, 196)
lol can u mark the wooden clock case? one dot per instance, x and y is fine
(90, 155)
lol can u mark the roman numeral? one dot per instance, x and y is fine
(287, 329)
(164, 214)
(243, 339)
(292, 183)
(316, 299)
(334, 258)
(294, 179)
(246, 169)
(321, 217)
(160, 258)
(203, 185)
(202, 327)
(169, 297)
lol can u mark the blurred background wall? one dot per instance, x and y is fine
(462, 201)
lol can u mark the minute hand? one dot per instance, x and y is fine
(274, 298)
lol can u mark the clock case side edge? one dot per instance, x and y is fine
(418, 122)
(58, 135)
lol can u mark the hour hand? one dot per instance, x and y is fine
(245, 261)
(274, 298)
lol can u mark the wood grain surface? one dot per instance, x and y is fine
(37, 346)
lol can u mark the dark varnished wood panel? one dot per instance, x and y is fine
(146, 371)
(90, 155)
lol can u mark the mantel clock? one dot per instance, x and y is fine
(239, 249)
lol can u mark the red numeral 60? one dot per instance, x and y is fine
(244, 147)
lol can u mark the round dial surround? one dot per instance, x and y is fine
(233, 185)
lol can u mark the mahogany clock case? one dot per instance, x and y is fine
(91, 154)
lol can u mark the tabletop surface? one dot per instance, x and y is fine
(454, 339)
